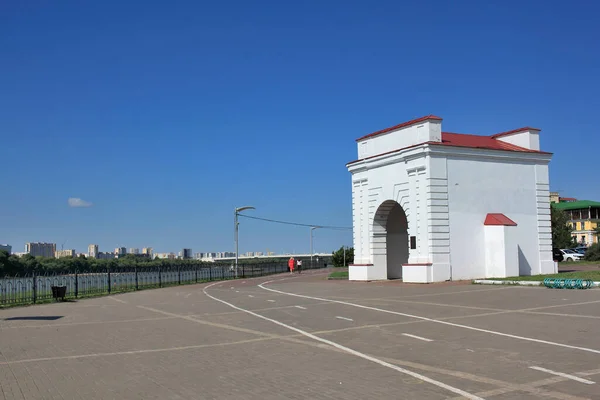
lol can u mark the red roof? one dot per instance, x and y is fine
(402, 125)
(527, 128)
(499, 219)
(463, 140)
(479, 142)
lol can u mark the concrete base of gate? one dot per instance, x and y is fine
(425, 273)
(364, 272)
(411, 273)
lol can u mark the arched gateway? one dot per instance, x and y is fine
(390, 239)
(430, 206)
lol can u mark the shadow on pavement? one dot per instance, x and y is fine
(35, 318)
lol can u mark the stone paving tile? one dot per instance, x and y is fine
(270, 370)
(133, 336)
(167, 355)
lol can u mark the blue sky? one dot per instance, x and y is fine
(167, 115)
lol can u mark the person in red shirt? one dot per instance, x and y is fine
(291, 265)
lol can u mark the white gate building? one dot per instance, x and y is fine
(431, 206)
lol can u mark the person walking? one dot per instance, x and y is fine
(299, 264)
(291, 265)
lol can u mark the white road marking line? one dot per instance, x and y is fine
(344, 318)
(117, 299)
(272, 301)
(300, 307)
(237, 291)
(437, 321)
(349, 350)
(418, 337)
(250, 295)
(573, 377)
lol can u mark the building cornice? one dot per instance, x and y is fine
(393, 157)
(489, 154)
(425, 149)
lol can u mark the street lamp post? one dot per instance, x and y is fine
(311, 244)
(236, 229)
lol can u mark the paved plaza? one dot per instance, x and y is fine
(304, 337)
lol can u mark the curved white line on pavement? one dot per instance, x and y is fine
(349, 350)
(437, 321)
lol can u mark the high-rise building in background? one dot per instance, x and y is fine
(40, 249)
(185, 254)
(6, 247)
(147, 250)
(65, 253)
(134, 251)
(93, 251)
(121, 251)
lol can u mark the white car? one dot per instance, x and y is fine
(571, 255)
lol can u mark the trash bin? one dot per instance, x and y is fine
(59, 292)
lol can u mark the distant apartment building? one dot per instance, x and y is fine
(185, 254)
(134, 251)
(92, 251)
(121, 251)
(65, 253)
(6, 247)
(40, 249)
(170, 256)
(148, 251)
(105, 255)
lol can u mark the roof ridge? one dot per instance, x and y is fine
(401, 125)
(523, 129)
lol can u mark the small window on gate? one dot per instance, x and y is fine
(413, 242)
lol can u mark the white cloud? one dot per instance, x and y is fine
(77, 202)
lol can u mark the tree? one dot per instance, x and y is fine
(593, 253)
(562, 230)
(337, 257)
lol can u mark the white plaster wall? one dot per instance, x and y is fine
(527, 139)
(495, 252)
(477, 187)
(389, 181)
(438, 225)
(542, 179)
(360, 233)
(513, 253)
(501, 252)
(404, 137)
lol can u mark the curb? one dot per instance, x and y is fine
(521, 283)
